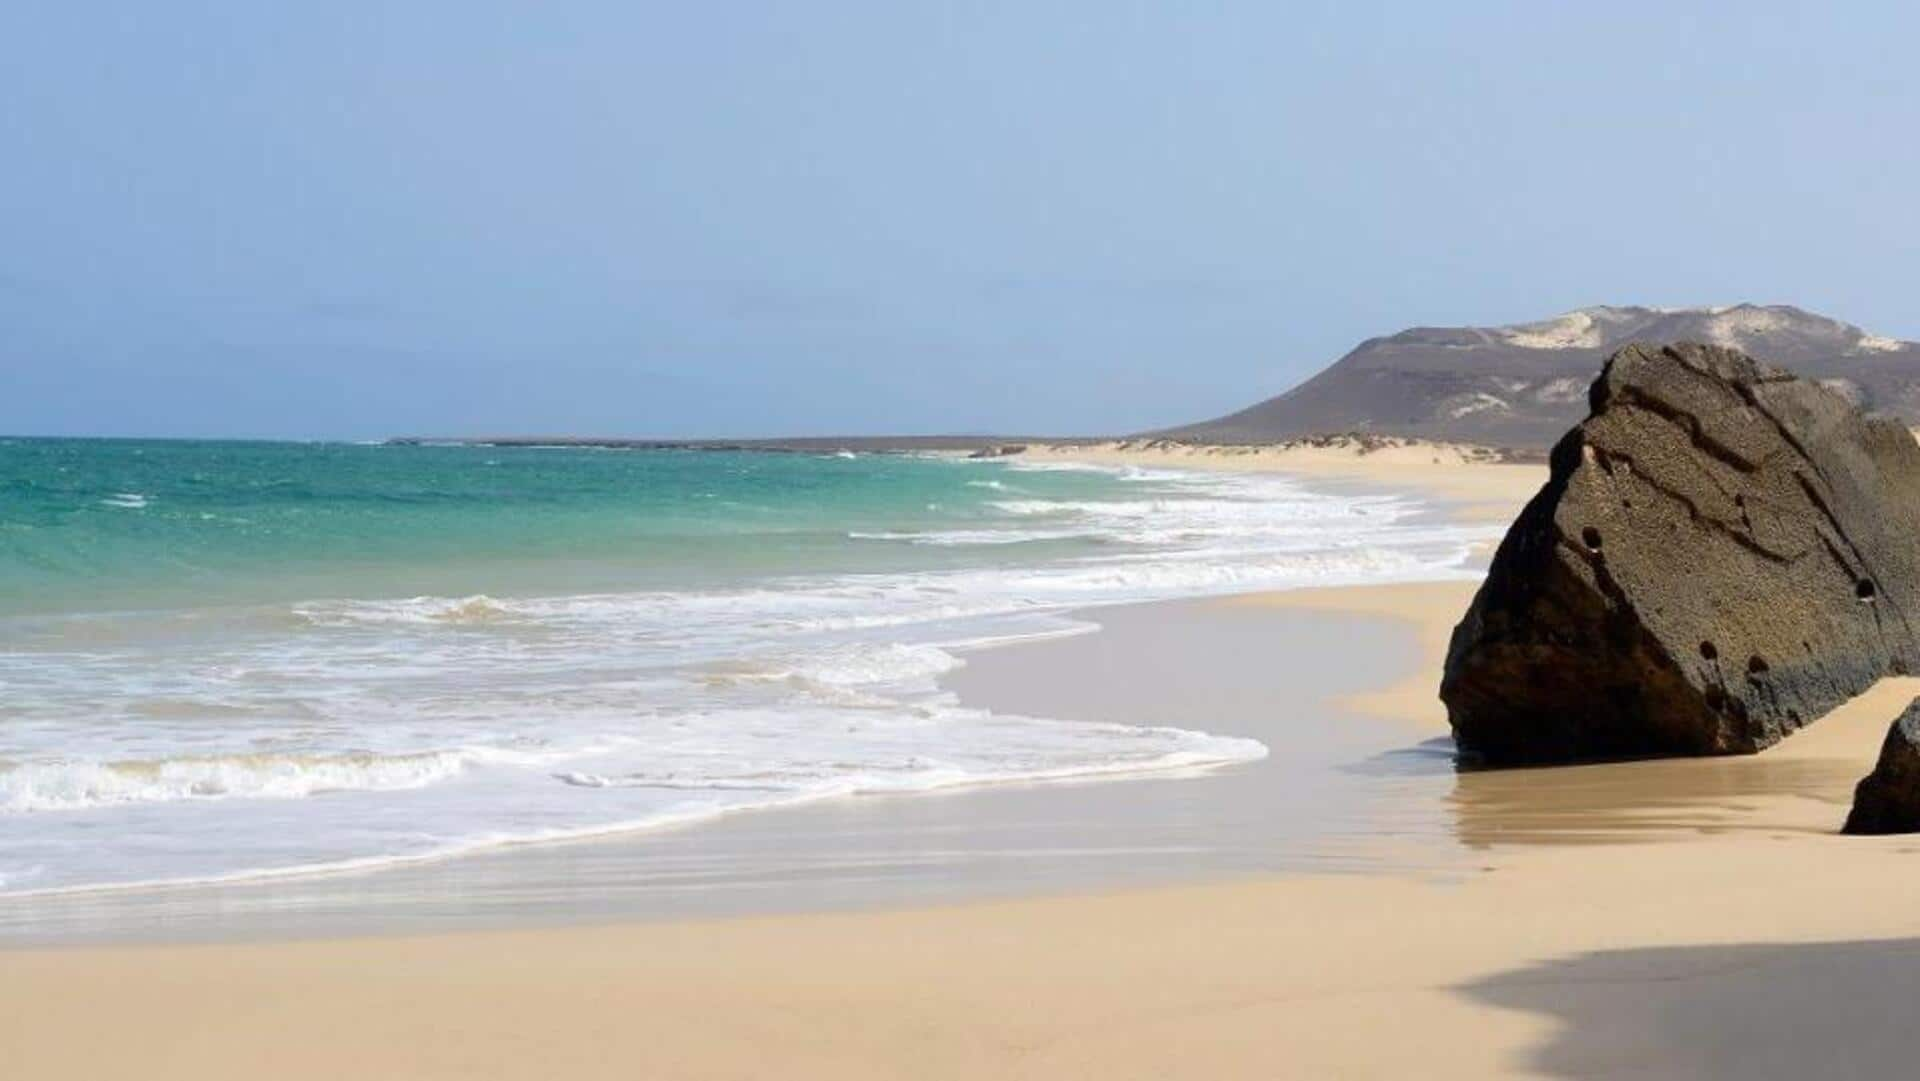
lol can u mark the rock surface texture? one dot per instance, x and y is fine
(1722, 553)
(1888, 799)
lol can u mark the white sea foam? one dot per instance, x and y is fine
(1156, 750)
(657, 801)
(952, 538)
(126, 500)
(478, 608)
(1026, 465)
(892, 662)
(73, 785)
(351, 732)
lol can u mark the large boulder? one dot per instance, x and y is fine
(1722, 553)
(1888, 799)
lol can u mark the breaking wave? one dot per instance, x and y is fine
(75, 785)
(368, 727)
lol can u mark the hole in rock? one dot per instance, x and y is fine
(1863, 589)
(1591, 538)
(1756, 664)
(1708, 651)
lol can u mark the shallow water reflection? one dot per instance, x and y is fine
(1640, 801)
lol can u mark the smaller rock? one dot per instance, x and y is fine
(1888, 799)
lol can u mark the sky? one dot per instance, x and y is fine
(356, 220)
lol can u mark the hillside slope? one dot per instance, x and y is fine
(1525, 384)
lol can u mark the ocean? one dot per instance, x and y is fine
(229, 660)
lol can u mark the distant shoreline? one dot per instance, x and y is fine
(1357, 444)
(824, 444)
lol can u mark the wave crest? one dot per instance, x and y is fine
(476, 609)
(74, 785)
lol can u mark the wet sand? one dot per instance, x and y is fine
(1722, 929)
(1338, 785)
(1686, 918)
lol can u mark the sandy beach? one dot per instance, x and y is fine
(1491, 490)
(904, 542)
(1695, 918)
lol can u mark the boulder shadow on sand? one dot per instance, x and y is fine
(1753, 1012)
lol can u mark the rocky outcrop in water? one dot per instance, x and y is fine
(1722, 553)
(1888, 799)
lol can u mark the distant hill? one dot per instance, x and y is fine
(1524, 385)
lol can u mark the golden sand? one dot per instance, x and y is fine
(1777, 949)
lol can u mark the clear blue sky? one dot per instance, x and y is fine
(355, 219)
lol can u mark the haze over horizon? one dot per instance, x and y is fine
(784, 219)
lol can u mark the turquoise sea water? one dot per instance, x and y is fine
(235, 659)
(110, 524)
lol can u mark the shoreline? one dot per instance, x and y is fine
(808, 856)
(1586, 920)
(1540, 955)
(1471, 483)
(881, 851)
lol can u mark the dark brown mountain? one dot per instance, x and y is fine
(1524, 385)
